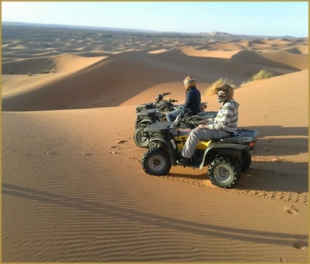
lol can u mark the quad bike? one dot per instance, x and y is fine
(148, 116)
(155, 104)
(151, 116)
(160, 105)
(149, 113)
(226, 158)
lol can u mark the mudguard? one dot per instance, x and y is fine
(226, 149)
(145, 122)
(172, 147)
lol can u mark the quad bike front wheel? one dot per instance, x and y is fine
(224, 173)
(139, 139)
(156, 162)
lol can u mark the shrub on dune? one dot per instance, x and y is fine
(262, 74)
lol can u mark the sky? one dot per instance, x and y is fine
(251, 18)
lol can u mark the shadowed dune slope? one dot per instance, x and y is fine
(59, 63)
(27, 66)
(248, 56)
(299, 61)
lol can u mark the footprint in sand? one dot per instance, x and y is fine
(114, 152)
(51, 153)
(291, 210)
(301, 245)
(282, 259)
(121, 141)
(85, 154)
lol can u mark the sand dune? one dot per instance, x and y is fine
(96, 79)
(60, 63)
(72, 184)
(299, 61)
(265, 61)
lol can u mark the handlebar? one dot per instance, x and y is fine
(166, 104)
(160, 97)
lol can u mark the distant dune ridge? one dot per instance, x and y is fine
(73, 187)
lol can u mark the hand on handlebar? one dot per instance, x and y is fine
(202, 122)
(202, 126)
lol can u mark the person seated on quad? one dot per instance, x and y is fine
(224, 124)
(193, 99)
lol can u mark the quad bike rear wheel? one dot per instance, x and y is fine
(139, 139)
(156, 162)
(224, 173)
(246, 161)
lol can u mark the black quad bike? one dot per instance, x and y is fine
(155, 111)
(150, 113)
(226, 158)
(153, 105)
(151, 116)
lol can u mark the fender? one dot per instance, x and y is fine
(227, 149)
(145, 122)
(158, 141)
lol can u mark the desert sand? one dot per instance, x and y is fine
(73, 188)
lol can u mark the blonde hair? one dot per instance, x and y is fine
(229, 90)
(212, 90)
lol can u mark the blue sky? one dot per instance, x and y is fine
(253, 18)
